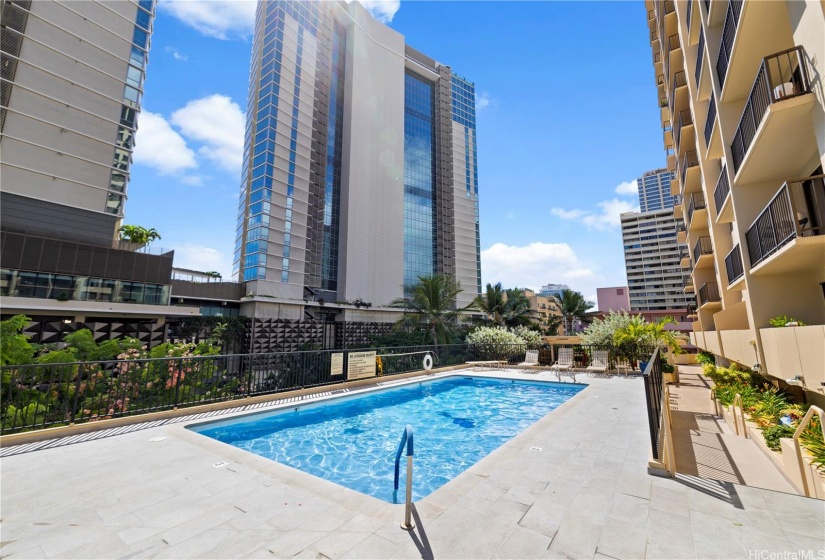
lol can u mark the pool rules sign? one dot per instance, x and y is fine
(360, 365)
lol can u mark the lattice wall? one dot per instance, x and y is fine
(44, 332)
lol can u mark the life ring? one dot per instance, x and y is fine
(427, 363)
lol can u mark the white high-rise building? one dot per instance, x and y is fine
(360, 170)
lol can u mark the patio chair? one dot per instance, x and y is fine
(531, 362)
(600, 362)
(564, 364)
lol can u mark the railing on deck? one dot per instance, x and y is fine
(720, 193)
(654, 399)
(36, 396)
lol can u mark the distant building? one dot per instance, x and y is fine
(544, 307)
(613, 299)
(654, 191)
(550, 290)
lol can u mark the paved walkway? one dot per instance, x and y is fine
(585, 493)
(704, 444)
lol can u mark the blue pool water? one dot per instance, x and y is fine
(352, 441)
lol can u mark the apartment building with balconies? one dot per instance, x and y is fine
(743, 114)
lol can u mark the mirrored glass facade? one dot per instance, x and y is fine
(419, 178)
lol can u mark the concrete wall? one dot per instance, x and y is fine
(371, 246)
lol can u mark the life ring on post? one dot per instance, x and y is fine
(427, 363)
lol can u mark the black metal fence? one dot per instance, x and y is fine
(652, 375)
(36, 396)
(733, 265)
(710, 120)
(700, 57)
(709, 292)
(702, 247)
(720, 193)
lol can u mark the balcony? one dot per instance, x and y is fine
(674, 52)
(684, 257)
(709, 294)
(702, 253)
(728, 36)
(775, 134)
(733, 265)
(685, 120)
(654, 36)
(724, 212)
(703, 86)
(678, 92)
(671, 158)
(792, 351)
(789, 234)
(688, 285)
(681, 232)
(689, 172)
(697, 209)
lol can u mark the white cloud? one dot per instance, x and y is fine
(221, 19)
(628, 188)
(228, 19)
(157, 145)
(217, 123)
(200, 257)
(177, 55)
(483, 100)
(606, 217)
(382, 10)
(534, 265)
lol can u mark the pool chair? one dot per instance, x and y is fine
(564, 364)
(530, 363)
(600, 362)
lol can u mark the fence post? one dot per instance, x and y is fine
(76, 394)
(177, 383)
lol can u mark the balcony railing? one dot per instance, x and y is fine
(654, 36)
(697, 202)
(728, 35)
(733, 265)
(691, 309)
(673, 42)
(651, 15)
(703, 247)
(670, 6)
(782, 76)
(680, 225)
(669, 150)
(688, 282)
(684, 119)
(720, 193)
(709, 292)
(679, 80)
(700, 56)
(709, 122)
(657, 57)
(797, 210)
(684, 253)
(690, 160)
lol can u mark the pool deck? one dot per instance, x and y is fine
(573, 485)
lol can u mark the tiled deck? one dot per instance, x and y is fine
(585, 494)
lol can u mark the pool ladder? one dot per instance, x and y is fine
(406, 438)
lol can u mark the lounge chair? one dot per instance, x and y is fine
(600, 362)
(531, 362)
(564, 364)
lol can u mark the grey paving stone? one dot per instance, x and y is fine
(334, 544)
(374, 546)
(576, 539)
(621, 538)
(629, 508)
(544, 517)
(524, 543)
(669, 500)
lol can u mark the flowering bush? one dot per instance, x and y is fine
(530, 337)
(495, 335)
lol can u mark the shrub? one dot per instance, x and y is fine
(494, 335)
(772, 435)
(782, 320)
(705, 358)
(530, 337)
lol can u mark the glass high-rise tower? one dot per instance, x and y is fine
(360, 167)
(654, 191)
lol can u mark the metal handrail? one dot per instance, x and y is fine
(669, 458)
(802, 425)
(406, 439)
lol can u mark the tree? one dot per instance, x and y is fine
(572, 306)
(491, 304)
(551, 325)
(138, 234)
(14, 346)
(432, 306)
(516, 311)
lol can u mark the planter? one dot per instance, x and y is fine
(672, 377)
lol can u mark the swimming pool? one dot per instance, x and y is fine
(352, 441)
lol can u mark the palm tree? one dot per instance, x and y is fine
(572, 306)
(660, 335)
(491, 304)
(431, 306)
(639, 332)
(551, 325)
(516, 309)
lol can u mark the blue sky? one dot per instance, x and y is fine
(567, 119)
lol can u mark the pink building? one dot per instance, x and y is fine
(613, 299)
